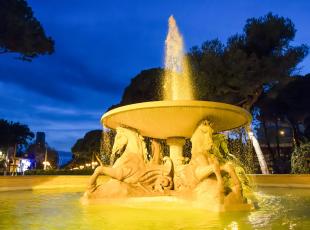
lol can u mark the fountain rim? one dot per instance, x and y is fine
(178, 103)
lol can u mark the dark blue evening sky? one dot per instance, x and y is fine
(101, 45)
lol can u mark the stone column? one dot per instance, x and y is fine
(176, 150)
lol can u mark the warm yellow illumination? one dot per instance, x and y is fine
(177, 84)
(46, 163)
(282, 132)
(81, 166)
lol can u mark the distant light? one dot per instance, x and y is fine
(282, 133)
(25, 164)
(81, 166)
(1, 153)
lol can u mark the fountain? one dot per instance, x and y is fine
(211, 179)
(162, 192)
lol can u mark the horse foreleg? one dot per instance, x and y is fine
(115, 173)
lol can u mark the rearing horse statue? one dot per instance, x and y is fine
(130, 174)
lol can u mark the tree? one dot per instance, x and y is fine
(288, 101)
(84, 148)
(237, 72)
(21, 32)
(14, 134)
(301, 159)
(146, 86)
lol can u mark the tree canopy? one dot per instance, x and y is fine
(21, 32)
(146, 86)
(288, 101)
(14, 133)
(236, 72)
(86, 146)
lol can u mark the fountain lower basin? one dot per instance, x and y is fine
(59, 209)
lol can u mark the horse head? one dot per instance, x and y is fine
(130, 141)
(202, 138)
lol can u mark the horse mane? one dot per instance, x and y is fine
(138, 137)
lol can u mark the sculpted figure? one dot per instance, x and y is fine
(209, 179)
(130, 174)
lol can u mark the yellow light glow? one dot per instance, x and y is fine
(282, 132)
(46, 163)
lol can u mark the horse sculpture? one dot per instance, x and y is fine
(207, 181)
(131, 175)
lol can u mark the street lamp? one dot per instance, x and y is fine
(45, 162)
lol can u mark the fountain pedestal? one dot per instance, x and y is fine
(176, 150)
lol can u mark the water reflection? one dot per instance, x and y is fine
(280, 209)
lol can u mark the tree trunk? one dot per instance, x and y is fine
(278, 144)
(296, 137)
(252, 99)
(271, 154)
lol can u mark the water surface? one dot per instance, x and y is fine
(61, 209)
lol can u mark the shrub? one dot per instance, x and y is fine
(300, 160)
(59, 172)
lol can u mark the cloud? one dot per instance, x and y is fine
(100, 46)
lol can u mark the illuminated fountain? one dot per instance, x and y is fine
(211, 179)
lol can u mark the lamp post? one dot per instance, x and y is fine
(45, 162)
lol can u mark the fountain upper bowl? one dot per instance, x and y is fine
(179, 118)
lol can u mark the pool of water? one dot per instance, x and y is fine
(54, 209)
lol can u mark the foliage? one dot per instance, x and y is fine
(300, 160)
(146, 86)
(21, 32)
(241, 147)
(14, 133)
(107, 141)
(288, 101)
(237, 72)
(84, 148)
(59, 172)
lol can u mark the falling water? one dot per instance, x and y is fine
(177, 84)
(259, 153)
